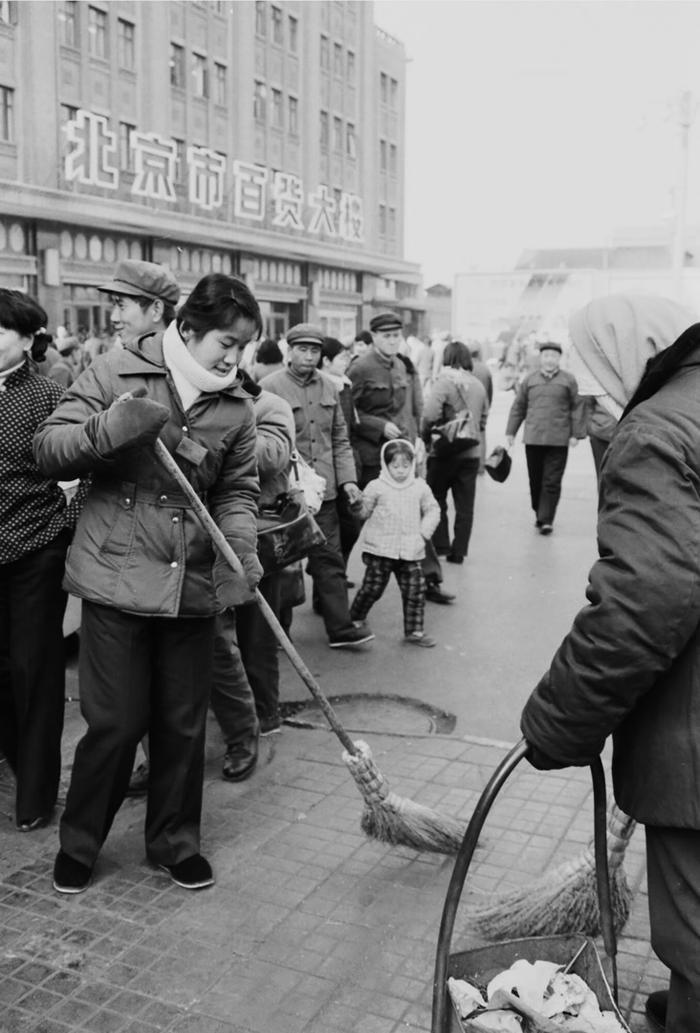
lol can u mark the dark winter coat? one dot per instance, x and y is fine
(379, 389)
(630, 666)
(138, 546)
(550, 407)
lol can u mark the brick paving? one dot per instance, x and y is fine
(311, 927)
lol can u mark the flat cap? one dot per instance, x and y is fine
(305, 333)
(143, 280)
(552, 346)
(385, 321)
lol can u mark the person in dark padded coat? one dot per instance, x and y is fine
(630, 665)
(147, 573)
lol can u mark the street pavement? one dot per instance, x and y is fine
(312, 927)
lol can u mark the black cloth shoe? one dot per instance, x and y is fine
(31, 825)
(435, 594)
(451, 558)
(240, 759)
(69, 875)
(138, 783)
(270, 724)
(655, 1008)
(546, 529)
(353, 636)
(194, 873)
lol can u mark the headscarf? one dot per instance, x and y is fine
(618, 336)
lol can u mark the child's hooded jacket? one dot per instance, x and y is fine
(400, 517)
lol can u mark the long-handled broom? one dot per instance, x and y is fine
(387, 817)
(566, 899)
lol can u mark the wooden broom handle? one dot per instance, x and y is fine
(268, 613)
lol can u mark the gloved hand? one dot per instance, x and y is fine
(252, 568)
(541, 761)
(127, 422)
(231, 588)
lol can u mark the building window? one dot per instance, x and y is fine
(293, 116)
(8, 12)
(277, 30)
(7, 114)
(324, 130)
(393, 159)
(382, 220)
(393, 93)
(219, 83)
(68, 22)
(382, 155)
(350, 141)
(350, 67)
(392, 223)
(179, 160)
(259, 101)
(200, 77)
(338, 60)
(383, 87)
(293, 33)
(177, 66)
(277, 114)
(325, 53)
(338, 134)
(97, 32)
(126, 51)
(260, 24)
(126, 151)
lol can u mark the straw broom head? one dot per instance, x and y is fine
(394, 819)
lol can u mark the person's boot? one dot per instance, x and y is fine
(240, 759)
(656, 1007)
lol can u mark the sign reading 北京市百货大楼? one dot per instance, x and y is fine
(259, 194)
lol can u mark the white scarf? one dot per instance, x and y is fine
(191, 379)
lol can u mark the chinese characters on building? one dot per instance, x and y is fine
(92, 159)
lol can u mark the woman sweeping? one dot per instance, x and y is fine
(143, 567)
(34, 536)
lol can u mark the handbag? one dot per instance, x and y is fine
(455, 435)
(308, 482)
(286, 531)
(498, 464)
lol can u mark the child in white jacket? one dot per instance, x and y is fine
(401, 514)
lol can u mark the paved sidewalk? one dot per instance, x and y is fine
(311, 928)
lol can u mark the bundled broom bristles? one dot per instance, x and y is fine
(565, 900)
(395, 819)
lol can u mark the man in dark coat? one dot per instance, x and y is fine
(380, 383)
(547, 401)
(630, 666)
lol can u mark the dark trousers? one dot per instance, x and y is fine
(411, 581)
(138, 675)
(326, 566)
(232, 698)
(673, 874)
(432, 571)
(32, 675)
(545, 469)
(598, 447)
(458, 476)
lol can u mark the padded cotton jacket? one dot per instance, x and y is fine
(138, 547)
(630, 666)
(550, 407)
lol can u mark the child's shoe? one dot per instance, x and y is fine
(419, 638)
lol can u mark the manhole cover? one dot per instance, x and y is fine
(368, 712)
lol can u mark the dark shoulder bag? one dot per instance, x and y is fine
(456, 435)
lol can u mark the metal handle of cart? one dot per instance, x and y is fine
(464, 859)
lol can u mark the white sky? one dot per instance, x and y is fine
(535, 123)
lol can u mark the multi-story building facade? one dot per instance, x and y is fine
(265, 139)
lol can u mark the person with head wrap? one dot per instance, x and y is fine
(630, 665)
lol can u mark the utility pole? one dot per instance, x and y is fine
(686, 111)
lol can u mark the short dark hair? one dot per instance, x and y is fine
(330, 348)
(457, 356)
(398, 448)
(364, 336)
(24, 315)
(269, 352)
(216, 302)
(168, 309)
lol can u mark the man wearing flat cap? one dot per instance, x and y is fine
(380, 384)
(547, 401)
(144, 296)
(322, 441)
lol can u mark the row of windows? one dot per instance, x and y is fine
(261, 95)
(200, 73)
(388, 90)
(344, 139)
(276, 22)
(343, 62)
(97, 33)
